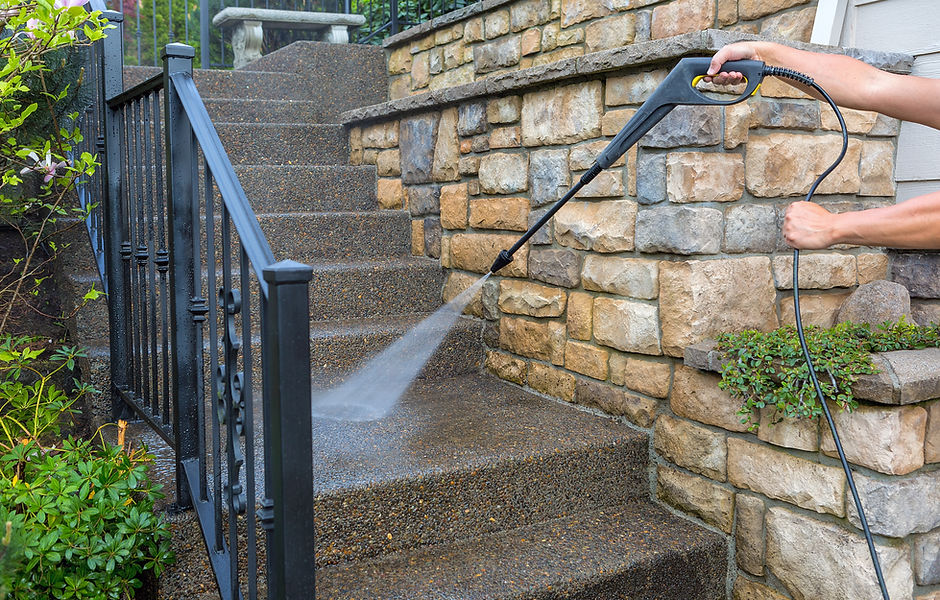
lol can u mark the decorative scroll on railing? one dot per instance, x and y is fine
(195, 298)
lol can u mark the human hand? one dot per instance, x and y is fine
(736, 51)
(808, 226)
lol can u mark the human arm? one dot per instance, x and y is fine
(913, 224)
(851, 83)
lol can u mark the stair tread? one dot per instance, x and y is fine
(636, 550)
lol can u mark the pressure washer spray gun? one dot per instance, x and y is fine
(680, 87)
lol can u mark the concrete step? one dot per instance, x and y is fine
(282, 144)
(245, 85)
(635, 550)
(284, 188)
(461, 457)
(319, 237)
(383, 287)
(338, 348)
(237, 110)
(341, 76)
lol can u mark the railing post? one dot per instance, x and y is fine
(182, 214)
(204, 35)
(393, 16)
(112, 83)
(288, 439)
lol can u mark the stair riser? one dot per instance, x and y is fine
(284, 144)
(380, 520)
(337, 236)
(262, 111)
(308, 189)
(245, 85)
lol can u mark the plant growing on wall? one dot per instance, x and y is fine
(767, 369)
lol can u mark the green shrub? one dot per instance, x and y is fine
(767, 369)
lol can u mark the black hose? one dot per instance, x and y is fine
(805, 80)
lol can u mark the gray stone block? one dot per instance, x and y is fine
(875, 303)
(917, 373)
(751, 228)
(416, 140)
(789, 115)
(927, 558)
(471, 118)
(678, 230)
(495, 55)
(544, 235)
(650, 178)
(432, 237)
(555, 266)
(424, 200)
(548, 175)
(917, 271)
(686, 126)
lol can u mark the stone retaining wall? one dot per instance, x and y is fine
(497, 36)
(678, 241)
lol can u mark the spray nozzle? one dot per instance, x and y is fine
(501, 261)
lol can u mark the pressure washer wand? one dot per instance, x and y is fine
(678, 88)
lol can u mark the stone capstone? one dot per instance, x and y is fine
(700, 497)
(817, 560)
(603, 226)
(627, 325)
(875, 303)
(700, 299)
(416, 142)
(679, 230)
(691, 446)
(562, 115)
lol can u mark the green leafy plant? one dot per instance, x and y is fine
(82, 510)
(767, 369)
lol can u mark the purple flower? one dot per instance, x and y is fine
(69, 3)
(46, 166)
(30, 25)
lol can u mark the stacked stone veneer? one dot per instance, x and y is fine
(678, 241)
(496, 36)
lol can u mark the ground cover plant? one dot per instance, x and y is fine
(767, 369)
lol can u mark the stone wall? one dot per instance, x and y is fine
(678, 241)
(498, 36)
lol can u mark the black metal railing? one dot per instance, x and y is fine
(209, 335)
(152, 23)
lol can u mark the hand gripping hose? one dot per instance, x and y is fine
(679, 88)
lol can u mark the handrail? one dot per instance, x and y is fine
(254, 243)
(138, 91)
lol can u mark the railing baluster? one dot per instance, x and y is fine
(248, 427)
(231, 304)
(163, 258)
(148, 143)
(142, 255)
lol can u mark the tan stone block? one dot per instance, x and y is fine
(473, 30)
(697, 496)
(749, 533)
(380, 135)
(745, 589)
(605, 226)
(876, 169)
(627, 325)
(557, 55)
(355, 139)
(682, 16)
(447, 148)
(800, 434)
(477, 251)
(782, 476)
(634, 277)
(562, 115)
(469, 165)
(691, 446)
(456, 54)
(558, 333)
(466, 147)
(608, 184)
(634, 88)
(527, 338)
(531, 42)
(388, 163)
(504, 173)
(695, 395)
(786, 164)
(815, 309)
(506, 109)
(932, 435)
(773, 87)
(448, 34)
(749, 10)
(888, 439)
(704, 177)
(611, 32)
(422, 43)
(390, 194)
(794, 25)
(399, 87)
(872, 266)
(580, 315)
(506, 366)
(647, 377)
(456, 284)
(582, 156)
(816, 559)
(506, 137)
(727, 12)
(551, 381)
(817, 271)
(550, 36)
(529, 13)
(454, 206)
(700, 299)
(737, 124)
(445, 252)
(500, 213)
(586, 359)
(526, 298)
(370, 156)
(596, 394)
(459, 76)
(420, 70)
(496, 24)
(576, 11)
(615, 120)
(399, 61)
(856, 121)
(417, 237)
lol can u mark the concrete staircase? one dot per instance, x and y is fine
(472, 488)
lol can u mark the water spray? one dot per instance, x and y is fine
(679, 87)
